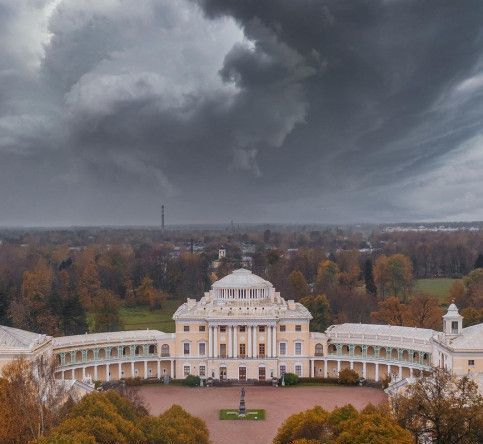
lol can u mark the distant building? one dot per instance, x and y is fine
(243, 329)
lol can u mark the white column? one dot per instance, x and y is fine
(95, 373)
(274, 341)
(255, 343)
(338, 367)
(249, 328)
(108, 370)
(325, 368)
(210, 341)
(400, 372)
(377, 372)
(230, 341)
(172, 368)
(235, 341)
(159, 369)
(312, 367)
(119, 370)
(352, 365)
(83, 373)
(268, 341)
(215, 341)
(73, 374)
(364, 369)
(63, 376)
(145, 369)
(132, 370)
(388, 369)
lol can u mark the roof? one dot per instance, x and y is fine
(110, 337)
(380, 334)
(452, 312)
(241, 278)
(471, 338)
(14, 339)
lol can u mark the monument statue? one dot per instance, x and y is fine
(242, 410)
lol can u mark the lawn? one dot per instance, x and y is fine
(438, 287)
(140, 318)
(251, 415)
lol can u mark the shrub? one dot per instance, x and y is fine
(348, 376)
(192, 381)
(291, 379)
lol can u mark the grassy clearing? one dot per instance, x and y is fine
(438, 287)
(251, 415)
(140, 318)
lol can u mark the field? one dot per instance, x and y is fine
(437, 287)
(140, 318)
(251, 415)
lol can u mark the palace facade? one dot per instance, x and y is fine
(242, 329)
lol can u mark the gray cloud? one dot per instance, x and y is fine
(339, 110)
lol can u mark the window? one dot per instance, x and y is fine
(186, 370)
(261, 328)
(298, 348)
(283, 348)
(222, 328)
(165, 350)
(454, 327)
(201, 349)
(186, 328)
(319, 350)
(222, 350)
(298, 370)
(283, 370)
(186, 348)
(242, 350)
(298, 328)
(202, 328)
(261, 350)
(283, 328)
(471, 362)
(202, 370)
(242, 329)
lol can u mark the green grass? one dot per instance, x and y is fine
(251, 415)
(140, 318)
(438, 287)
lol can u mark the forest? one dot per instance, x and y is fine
(64, 282)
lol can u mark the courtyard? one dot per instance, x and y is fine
(279, 403)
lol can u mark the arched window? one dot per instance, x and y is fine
(139, 350)
(319, 350)
(165, 350)
(125, 351)
(152, 349)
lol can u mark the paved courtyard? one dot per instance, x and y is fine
(279, 403)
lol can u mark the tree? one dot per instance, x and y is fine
(457, 294)
(344, 425)
(472, 316)
(394, 275)
(369, 278)
(348, 376)
(31, 399)
(147, 294)
(327, 277)
(424, 311)
(297, 285)
(441, 408)
(479, 262)
(474, 288)
(318, 305)
(390, 311)
(106, 314)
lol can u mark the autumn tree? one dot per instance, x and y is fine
(147, 294)
(297, 285)
(441, 408)
(344, 425)
(474, 288)
(423, 311)
(390, 311)
(318, 305)
(472, 316)
(457, 294)
(106, 312)
(394, 276)
(31, 399)
(327, 277)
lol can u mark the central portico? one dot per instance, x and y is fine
(242, 329)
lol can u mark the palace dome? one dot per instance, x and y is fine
(242, 284)
(242, 278)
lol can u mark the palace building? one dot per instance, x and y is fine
(243, 329)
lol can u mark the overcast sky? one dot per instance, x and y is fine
(251, 110)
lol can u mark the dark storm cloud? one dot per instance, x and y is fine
(339, 110)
